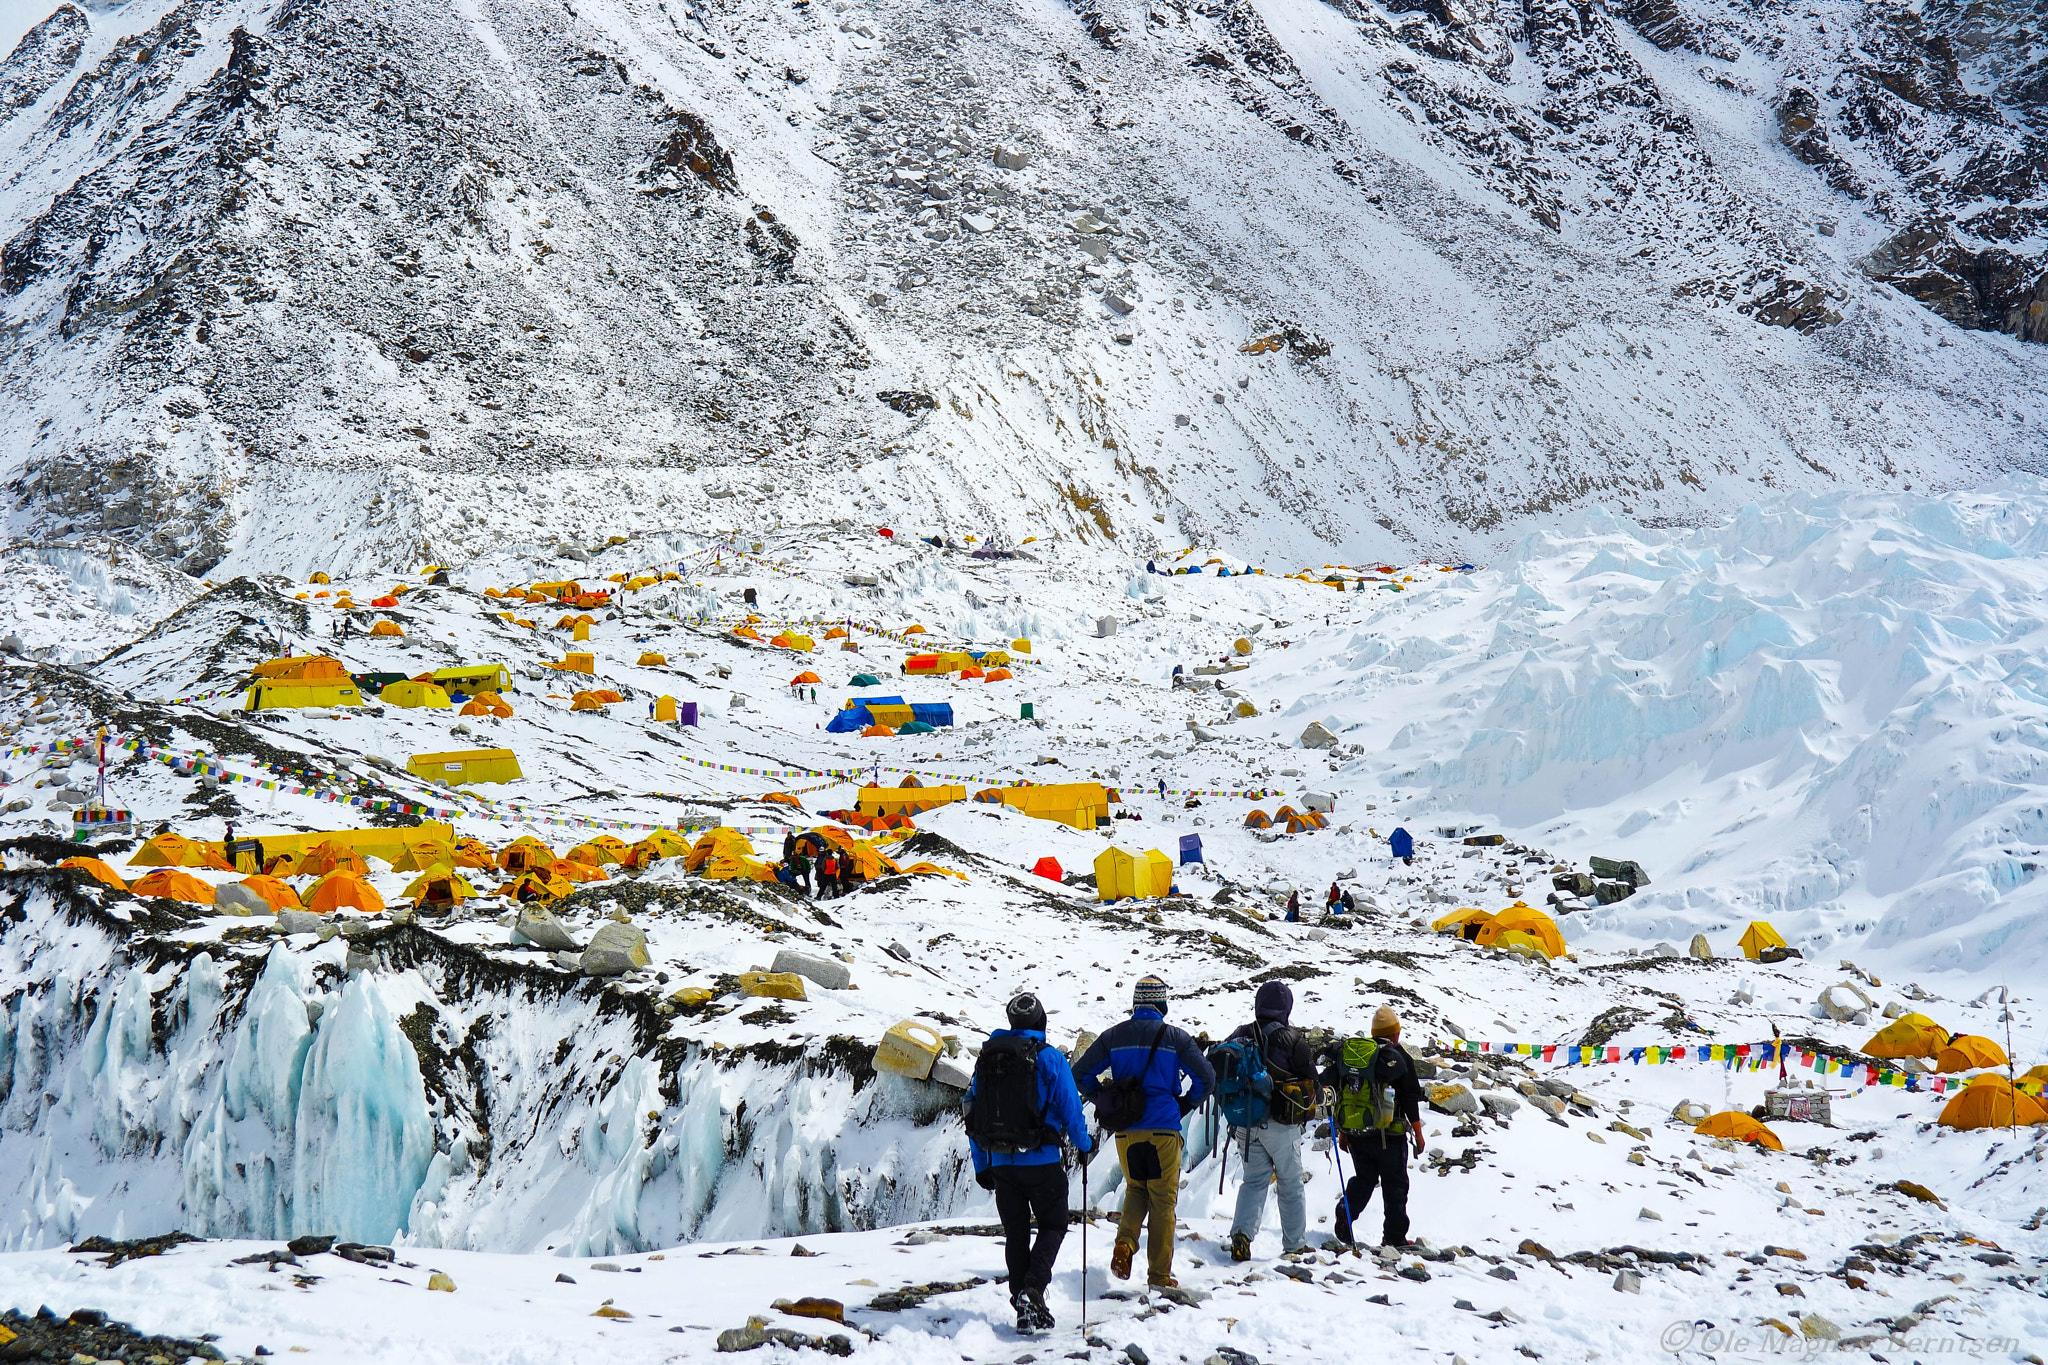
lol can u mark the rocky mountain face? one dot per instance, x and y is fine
(328, 283)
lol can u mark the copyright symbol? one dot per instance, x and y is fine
(1677, 1337)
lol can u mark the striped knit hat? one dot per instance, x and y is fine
(1150, 990)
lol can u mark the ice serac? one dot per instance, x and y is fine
(418, 1104)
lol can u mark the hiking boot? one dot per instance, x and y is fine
(1240, 1247)
(1120, 1258)
(1293, 1253)
(1041, 1314)
(1166, 1282)
(1027, 1316)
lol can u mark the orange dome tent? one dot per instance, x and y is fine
(997, 675)
(423, 854)
(783, 799)
(1989, 1101)
(1258, 819)
(97, 870)
(1969, 1052)
(1049, 868)
(171, 884)
(331, 856)
(805, 678)
(1741, 1127)
(280, 896)
(877, 732)
(343, 890)
(570, 870)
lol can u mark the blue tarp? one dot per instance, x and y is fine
(852, 719)
(932, 712)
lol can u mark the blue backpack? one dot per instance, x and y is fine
(1244, 1090)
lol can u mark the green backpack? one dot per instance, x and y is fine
(1365, 1087)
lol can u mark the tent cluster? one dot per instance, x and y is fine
(878, 717)
(1517, 929)
(725, 854)
(970, 664)
(306, 680)
(1287, 817)
(911, 799)
(595, 699)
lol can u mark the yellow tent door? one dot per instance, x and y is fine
(1157, 874)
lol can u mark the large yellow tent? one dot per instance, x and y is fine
(1742, 1127)
(1989, 1101)
(466, 765)
(1909, 1035)
(1518, 918)
(175, 850)
(1758, 937)
(1969, 1052)
(1082, 805)
(1122, 874)
(873, 800)
(415, 695)
(343, 890)
(171, 884)
(97, 870)
(307, 680)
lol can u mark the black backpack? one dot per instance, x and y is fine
(1005, 1115)
(1121, 1104)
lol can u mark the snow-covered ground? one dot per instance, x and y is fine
(1824, 713)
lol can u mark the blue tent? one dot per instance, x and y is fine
(1191, 850)
(932, 712)
(851, 720)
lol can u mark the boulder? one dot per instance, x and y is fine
(1628, 1281)
(305, 922)
(1453, 1099)
(1549, 1104)
(237, 899)
(1843, 1002)
(439, 1281)
(1690, 1112)
(1499, 1106)
(1619, 869)
(830, 973)
(615, 949)
(537, 925)
(1317, 736)
(948, 1072)
(1701, 949)
(773, 985)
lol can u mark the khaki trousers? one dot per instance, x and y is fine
(1151, 1202)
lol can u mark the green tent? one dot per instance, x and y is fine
(865, 680)
(916, 727)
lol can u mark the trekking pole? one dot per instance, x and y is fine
(1084, 1240)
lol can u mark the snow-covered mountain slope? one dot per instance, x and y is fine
(335, 285)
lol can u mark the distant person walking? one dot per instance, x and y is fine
(1142, 1103)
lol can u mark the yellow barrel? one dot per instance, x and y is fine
(905, 1053)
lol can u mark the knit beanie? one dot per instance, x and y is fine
(1385, 1024)
(1027, 1012)
(1151, 991)
(1275, 1003)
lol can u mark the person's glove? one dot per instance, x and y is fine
(1186, 1105)
(986, 1179)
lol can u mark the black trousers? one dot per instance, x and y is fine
(1024, 1195)
(1382, 1162)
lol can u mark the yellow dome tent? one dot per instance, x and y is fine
(1969, 1052)
(652, 660)
(175, 850)
(1465, 923)
(660, 844)
(473, 852)
(1521, 919)
(420, 856)
(605, 848)
(439, 886)
(330, 855)
(1909, 1035)
(1741, 1127)
(665, 708)
(570, 870)
(1758, 937)
(1989, 1101)
(525, 852)
(722, 842)
(536, 884)
(387, 628)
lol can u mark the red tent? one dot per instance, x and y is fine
(1049, 868)
(885, 531)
